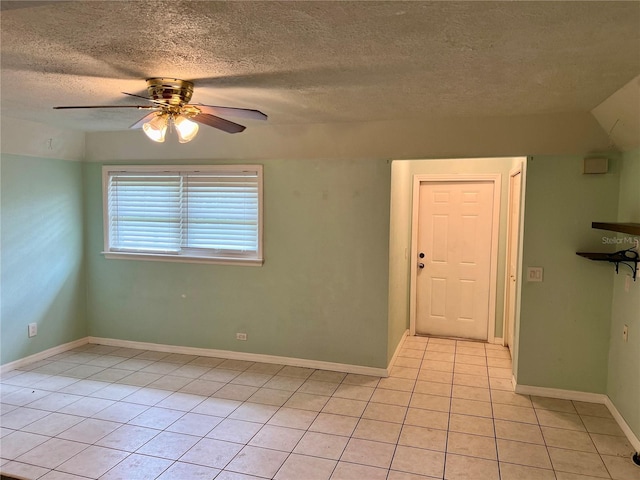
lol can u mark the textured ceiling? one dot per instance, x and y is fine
(305, 62)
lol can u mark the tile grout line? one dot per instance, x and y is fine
(152, 406)
(493, 417)
(544, 440)
(127, 423)
(395, 448)
(307, 429)
(446, 440)
(148, 408)
(289, 454)
(404, 418)
(591, 439)
(265, 423)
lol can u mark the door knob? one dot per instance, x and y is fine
(421, 265)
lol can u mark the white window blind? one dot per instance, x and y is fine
(145, 212)
(222, 212)
(194, 212)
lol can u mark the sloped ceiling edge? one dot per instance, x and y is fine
(619, 116)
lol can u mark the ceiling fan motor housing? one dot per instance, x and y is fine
(171, 91)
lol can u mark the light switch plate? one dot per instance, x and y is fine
(534, 274)
(33, 330)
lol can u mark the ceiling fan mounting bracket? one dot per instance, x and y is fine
(172, 91)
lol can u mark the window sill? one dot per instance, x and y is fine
(158, 257)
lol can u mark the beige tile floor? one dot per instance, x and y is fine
(447, 411)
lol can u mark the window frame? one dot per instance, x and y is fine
(188, 255)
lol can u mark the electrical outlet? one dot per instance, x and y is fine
(33, 329)
(241, 336)
(625, 333)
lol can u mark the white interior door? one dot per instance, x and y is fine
(513, 240)
(454, 245)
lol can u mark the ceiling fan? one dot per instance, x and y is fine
(169, 104)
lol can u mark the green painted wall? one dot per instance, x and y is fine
(324, 282)
(565, 320)
(623, 385)
(42, 266)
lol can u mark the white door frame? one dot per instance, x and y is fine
(510, 244)
(492, 177)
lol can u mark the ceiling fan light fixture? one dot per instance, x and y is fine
(156, 129)
(185, 128)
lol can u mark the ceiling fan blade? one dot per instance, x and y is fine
(217, 122)
(231, 111)
(143, 120)
(140, 107)
(158, 102)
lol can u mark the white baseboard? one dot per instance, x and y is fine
(635, 441)
(42, 355)
(395, 354)
(251, 357)
(561, 394)
(582, 397)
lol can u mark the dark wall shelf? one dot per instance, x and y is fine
(626, 257)
(630, 228)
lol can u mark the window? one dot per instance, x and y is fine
(184, 213)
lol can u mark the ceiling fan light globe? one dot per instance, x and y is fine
(156, 129)
(185, 128)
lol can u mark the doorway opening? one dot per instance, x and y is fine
(455, 229)
(406, 176)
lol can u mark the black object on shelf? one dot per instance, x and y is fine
(628, 257)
